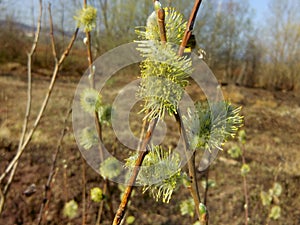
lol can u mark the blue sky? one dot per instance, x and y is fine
(23, 7)
(261, 7)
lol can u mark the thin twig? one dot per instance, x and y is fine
(52, 34)
(191, 164)
(189, 154)
(42, 109)
(28, 106)
(127, 193)
(47, 192)
(246, 206)
(83, 192)
(161, 25)
(2, 200)
(11, 168)
(206, 186)
(190, 26)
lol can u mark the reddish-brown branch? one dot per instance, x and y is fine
(189, 154)
(127, 193)
(190, 26)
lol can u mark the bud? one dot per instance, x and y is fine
(96, 194)
(85, 40)
(157, 5)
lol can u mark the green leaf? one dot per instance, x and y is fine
(130, 219)
(104, 114)
(235, 152)
(187, 207)
(96, 194)
(211, 183)
(202, 209)
(266, 198)
(275, 212)
(245, 169)
(70, 209)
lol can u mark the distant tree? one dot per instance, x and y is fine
(225, 29)
(282, 33)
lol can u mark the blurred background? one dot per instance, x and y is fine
(251, 43)
(253, 48)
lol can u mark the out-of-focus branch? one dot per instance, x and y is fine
(11, 168)
(127, 193)
(28, 106)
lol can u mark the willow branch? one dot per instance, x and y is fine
(127, 193)
(52, 34)
(28, 105)
(190, 27)
(191, 164)
(144, 147)
(189, 154)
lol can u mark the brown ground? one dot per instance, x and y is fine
(272, 124)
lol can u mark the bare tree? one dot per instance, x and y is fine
(224, 34)
(282, 33)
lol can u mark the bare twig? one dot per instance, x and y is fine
(83, 192)
(52, 34)
(191, 164)
(161, 25)
(28, 106)
(245, 187)
(206, 186)
(190, 155)
(2, 200)
(127, 193)
(47, 192)
(11, 168)
(42, 109)
(190, 26)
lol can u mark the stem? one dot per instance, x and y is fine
(83, 192)
(245, 187)
(28, 107)
(206, 186)
(189, 27)
(127, 193)
(189, 154)
(191, 165)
